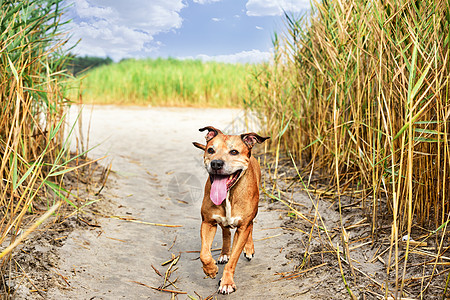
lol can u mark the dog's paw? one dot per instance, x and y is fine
(249, 256)
(226, 289)
(223, 259)
(211, 270)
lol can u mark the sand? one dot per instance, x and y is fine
(158, 177)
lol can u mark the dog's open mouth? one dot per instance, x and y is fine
(221, 184)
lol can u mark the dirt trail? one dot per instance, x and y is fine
(155, 167)
(158, 177)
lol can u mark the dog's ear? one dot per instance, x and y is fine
(212, 132)
(199, 146)
(250, 139)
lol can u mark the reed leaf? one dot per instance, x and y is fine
(32, 138)
(366, 87)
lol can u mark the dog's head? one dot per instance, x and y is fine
(226, 158)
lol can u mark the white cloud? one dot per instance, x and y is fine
(252, 56)
(85, 10)
(257, 8)
(216, 19)
(205, 1)
(118, 28)
(259, 28)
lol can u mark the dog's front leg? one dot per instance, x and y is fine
(249, 248)
(227, 285)
(207, 233)
(226, 243)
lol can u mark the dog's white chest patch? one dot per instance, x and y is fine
(228, 220)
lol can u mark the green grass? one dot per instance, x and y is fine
(167, 82)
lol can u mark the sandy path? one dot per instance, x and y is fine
(151, 149)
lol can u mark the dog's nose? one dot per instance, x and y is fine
(217, 164)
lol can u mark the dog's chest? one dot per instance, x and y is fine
(227, 220)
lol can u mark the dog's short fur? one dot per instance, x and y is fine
(230, 200)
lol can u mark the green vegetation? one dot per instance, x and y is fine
(79, 64)
(360, 91)
(33, 150)
(167, 82)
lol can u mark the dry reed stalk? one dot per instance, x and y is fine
(129, 219)
(300, 273)
(34, 147)
(342, 274)
(158, 289)
(18, 240)
(365, 87)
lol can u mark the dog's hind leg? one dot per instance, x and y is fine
(249, 248)
(226, 243)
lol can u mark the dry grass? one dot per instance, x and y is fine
(359, 91)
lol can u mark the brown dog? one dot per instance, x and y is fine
(230, 200)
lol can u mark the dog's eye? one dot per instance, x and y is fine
(234, 152)
(211, 151)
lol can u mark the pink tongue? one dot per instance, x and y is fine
(218, 189)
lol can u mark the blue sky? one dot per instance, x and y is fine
(222, 30)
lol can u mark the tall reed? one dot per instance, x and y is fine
(32, 149)
(359, 91)
(373, 79)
